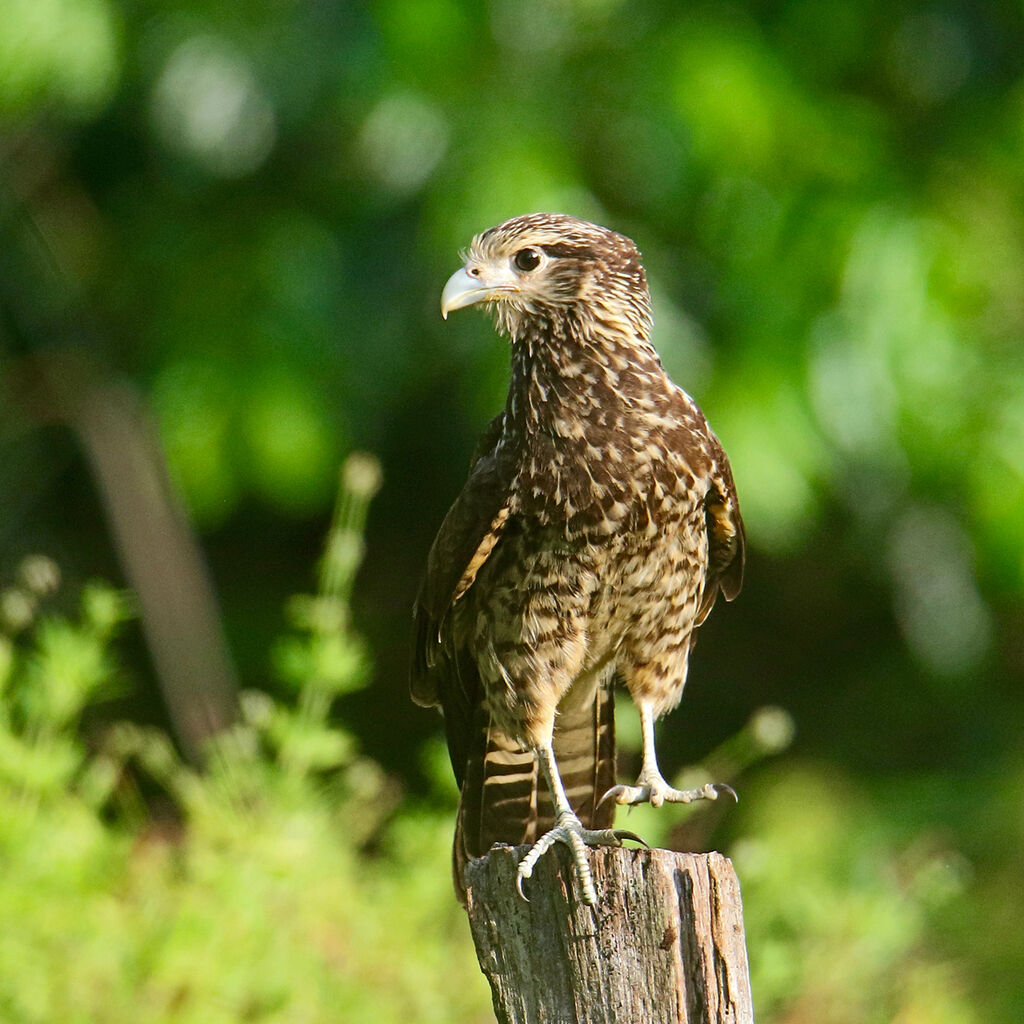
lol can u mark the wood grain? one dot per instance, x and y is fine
(665, 943)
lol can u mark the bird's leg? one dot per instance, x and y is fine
(650, 786)
(569, 830)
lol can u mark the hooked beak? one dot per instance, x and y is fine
(466, 289)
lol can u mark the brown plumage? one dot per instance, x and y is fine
(598, 525)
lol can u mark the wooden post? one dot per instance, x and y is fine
(664, 945)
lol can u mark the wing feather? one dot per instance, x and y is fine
(726, 538)
(467, 538)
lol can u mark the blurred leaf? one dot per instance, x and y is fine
(194, 405)
(62, 52)
(292, 447)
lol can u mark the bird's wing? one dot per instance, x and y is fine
(502, 797)
(726, 540)
(440, 674)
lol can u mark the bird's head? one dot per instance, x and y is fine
(549, 265)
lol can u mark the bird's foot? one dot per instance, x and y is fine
(571, 831)
(654, 790)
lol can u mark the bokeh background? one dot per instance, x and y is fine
(223, 233)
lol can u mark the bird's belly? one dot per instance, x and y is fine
(552, 619)
(652, 591)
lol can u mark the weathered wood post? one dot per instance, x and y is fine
(664, 945)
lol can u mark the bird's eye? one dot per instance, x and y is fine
(527, 259)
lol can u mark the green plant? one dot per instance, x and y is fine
(254, 897)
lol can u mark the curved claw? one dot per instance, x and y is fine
(622, 833)
(571, 831)
(519, 887)
(723, 788)
(608, 794)
(615, 792)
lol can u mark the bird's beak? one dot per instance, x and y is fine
(465, 289)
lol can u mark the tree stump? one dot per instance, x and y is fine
(663, 945)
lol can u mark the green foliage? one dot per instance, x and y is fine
(254, 896)
(839, 907)
(58, 51)
(50, 670)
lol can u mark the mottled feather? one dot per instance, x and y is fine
(597, 527)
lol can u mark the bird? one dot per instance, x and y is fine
(597, 526)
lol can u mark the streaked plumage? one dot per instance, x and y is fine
(598, 524)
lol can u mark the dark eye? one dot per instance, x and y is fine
(527, 259)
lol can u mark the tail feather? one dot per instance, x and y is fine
(584, 744)
(504, 799)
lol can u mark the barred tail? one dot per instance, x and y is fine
(504, 799)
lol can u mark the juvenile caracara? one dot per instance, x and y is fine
(597, 527)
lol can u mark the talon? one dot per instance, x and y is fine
(625, 834)
(656, 791)
(520, 877)
(571, 831)
(627, 795)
